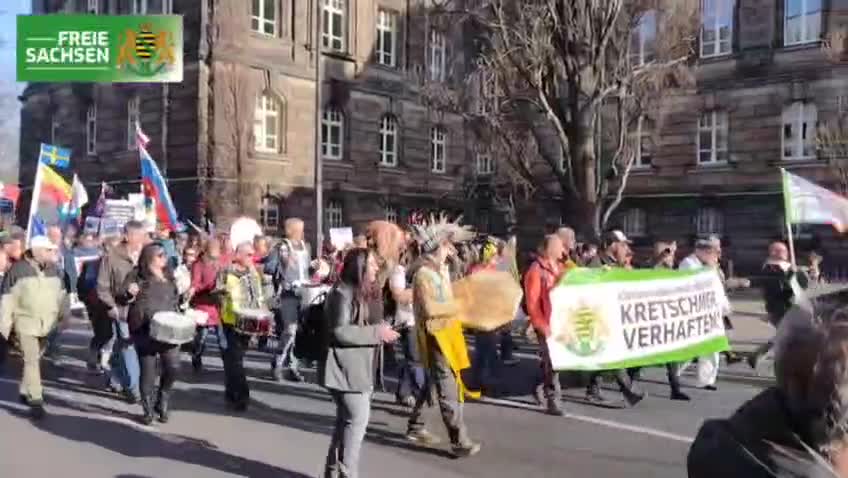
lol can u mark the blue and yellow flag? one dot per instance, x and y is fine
(54, 156)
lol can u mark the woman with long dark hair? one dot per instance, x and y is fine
(151, 288)
(348, 369)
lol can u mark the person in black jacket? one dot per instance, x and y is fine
(797, 428)
(778, 294)
(150, 288)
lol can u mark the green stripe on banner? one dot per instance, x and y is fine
(616, 274)
(716, 344)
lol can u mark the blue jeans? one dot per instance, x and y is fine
(485, 356)
(287, 319)
(412, 377)
(124, 361)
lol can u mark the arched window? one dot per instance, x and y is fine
(332, 126)
(635, 223)
(268, 124)
(388, 141)
(334, 215)
(709, 221)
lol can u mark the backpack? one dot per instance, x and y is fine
(87, 280)
(312, 340)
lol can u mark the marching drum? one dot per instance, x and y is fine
(254, 322)
(200, 317)
(172, 328)
(311, 294)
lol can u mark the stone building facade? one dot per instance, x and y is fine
(763, 86)
(237, 136)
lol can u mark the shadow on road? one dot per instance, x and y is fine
(134, 443)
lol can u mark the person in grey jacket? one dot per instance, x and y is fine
(348, 369)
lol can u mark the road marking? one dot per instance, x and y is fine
(596, 421)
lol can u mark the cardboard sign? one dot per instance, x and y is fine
(341, 237)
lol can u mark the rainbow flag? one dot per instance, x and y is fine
(51, 194)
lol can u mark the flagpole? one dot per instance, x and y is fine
(788, 215)
(33, 202)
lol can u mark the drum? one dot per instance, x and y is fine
(201, 318)
(311, 294)
(254, 322)
(172, 328)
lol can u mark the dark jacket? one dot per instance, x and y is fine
(153, 296)
(777, 290)
(349, 363)
(747, 444)
(114, 269)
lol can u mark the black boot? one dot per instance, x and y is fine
(162, 406)
(593, 396)
(147, 406)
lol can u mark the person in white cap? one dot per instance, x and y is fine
(33, 300)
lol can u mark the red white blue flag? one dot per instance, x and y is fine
(155, 187)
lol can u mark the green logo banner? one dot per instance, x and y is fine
(100, 48)
(605, 319)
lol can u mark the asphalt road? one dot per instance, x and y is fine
(89, 433)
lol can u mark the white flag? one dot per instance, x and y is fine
(809, 203)
(79, 196)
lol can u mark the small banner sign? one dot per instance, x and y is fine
(605, 319)
(100, 48)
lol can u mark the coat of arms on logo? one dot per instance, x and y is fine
(146, 52)
(584, 331)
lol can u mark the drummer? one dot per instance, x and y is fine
(149, 289)
(242, 286)
(290, 270)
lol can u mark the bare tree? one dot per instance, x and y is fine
(554, 69)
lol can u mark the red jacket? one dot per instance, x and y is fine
(204, 276)
(538, 282)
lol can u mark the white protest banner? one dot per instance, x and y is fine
(604, 319)
(341, 237)
(110, 227)
(120, 210)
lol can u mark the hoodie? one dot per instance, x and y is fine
(758, 441)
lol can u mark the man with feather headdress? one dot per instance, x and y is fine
(441, 343)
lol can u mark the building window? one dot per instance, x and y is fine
(139, 7)
(332, 27)
(93, 6)
(438, 146)
(333, 215)
(332, 126)
(54, 129)
(709, 221)
(799, 131)
(643, 39)
(802, 21)
(635, 223)
(91, 130)
(716, 27)
(269, 213)
(386, 38)
(643, 153)
(486, 94)
(438, 50)
(263, 17)
(267, 124)
(133, 118)
(485, 164)
(712, 138)
(388, 141)
(391, 214)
